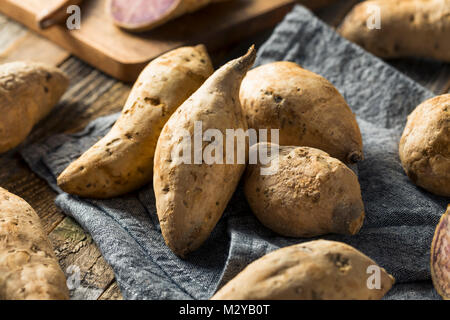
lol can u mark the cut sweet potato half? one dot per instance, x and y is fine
(144, 15)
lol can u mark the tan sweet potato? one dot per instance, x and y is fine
(310, 194)
(440, 256)
(190, 198)
(28, 92)
(28, 267)
(408, 28)
(316, 270)
(425, 145)
(305, 107)
(144, 15)
(123, 160)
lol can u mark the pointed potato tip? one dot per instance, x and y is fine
(249, 58)
(357, 224)
(69, 180)
(178, 250)
(200, 47)
(63, 181)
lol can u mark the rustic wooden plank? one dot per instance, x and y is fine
(87, 272)
(42, 50)
(112, 293)
(9, 31)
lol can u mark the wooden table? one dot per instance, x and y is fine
(93, 94)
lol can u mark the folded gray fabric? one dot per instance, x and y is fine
(400, 219)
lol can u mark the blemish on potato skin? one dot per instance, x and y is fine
(155, 101)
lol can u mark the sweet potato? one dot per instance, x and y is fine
(305, 107)
(28, 266)
(123, 160)
(325, 270)
(28, 92)
(440, 256)
(424, 147)
(408, 28)
(190, 198)
(144, 15)
(310, 194)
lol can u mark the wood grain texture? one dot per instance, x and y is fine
(112, 293)
(87, 272)
(92, 94)
(43, 50)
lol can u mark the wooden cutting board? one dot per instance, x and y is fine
(123, 55)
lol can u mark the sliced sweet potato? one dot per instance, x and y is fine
(144, 15)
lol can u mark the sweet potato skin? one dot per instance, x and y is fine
(409, 28)
(424, 147)
(315, 270)
(440, 256)
(306, 108)
(29, 269)
(190, 198)
(28, 92)
(310, 194)
(123, 160)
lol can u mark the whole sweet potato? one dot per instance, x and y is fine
(407, 28)
(425, 145)
(144, 15)
(28, 266)
(28, 92)
(123, 160)
(192, 195)
(305, 107)
(310, 193)
(325, 270)
(440, 256)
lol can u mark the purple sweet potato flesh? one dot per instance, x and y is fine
(139, 12)
(440, 257)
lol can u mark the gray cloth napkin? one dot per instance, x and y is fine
(401, 218)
